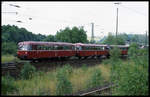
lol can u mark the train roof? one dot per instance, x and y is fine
(46, 43)
(81, 44)
(119, 45)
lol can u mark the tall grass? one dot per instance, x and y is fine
(45, 83)
(8, 58)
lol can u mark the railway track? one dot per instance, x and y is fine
(97, 90)
(14, 68)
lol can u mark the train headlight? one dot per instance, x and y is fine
(26, 53)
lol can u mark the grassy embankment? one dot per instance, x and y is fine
(47, 80)
(8, 58)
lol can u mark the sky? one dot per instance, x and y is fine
(50, 17)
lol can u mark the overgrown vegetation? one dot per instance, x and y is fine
(64, 80)
(27, 71)
(95, 80)
(63, 85)
(8, 85)
(125, 38)
(9, 48)
(131, 77)
(8, 58)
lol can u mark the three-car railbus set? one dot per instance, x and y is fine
(33, 50)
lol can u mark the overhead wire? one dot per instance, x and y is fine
(134, 10)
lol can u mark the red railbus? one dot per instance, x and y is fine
(40, 50)
(85, 50)
(32, 50)
(123, 48)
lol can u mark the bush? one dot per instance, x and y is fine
(68, 69)
(95, 80)
(9, 48)
(8, 85)
(63, 86)
(115, 54)
(133, 51)
(115, 62)
(133, 81)
(106, 61)
(27, 71)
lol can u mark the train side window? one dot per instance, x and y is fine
(87, 48)
(66, 47)
(70, 47)
(101, 48)
(39, 47)
(34, 47)
(51, 48)
(58, 47)
(73, 47)
(96, 48)
(55, 47)
(92, 48)
(80, 48)
(44, 47)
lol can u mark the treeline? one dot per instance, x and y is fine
(15, 34)
(12, 34)
(124, 38)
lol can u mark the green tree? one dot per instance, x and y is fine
(9, 48)
(111, 39)
(11, 33)
(50, 38)
(73, 35)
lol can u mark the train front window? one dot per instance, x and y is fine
(24, 47)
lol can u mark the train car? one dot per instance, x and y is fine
(86, 50)
(30, 50)
(123, 48)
